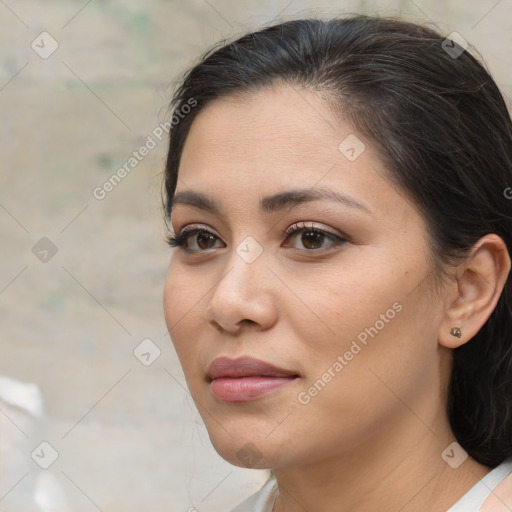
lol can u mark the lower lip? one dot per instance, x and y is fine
(245, 389)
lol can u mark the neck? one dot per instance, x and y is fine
(399, 468)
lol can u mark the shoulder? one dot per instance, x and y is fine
(479, 497)
(260, 501)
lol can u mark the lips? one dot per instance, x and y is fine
(245, 379)
(245, 367)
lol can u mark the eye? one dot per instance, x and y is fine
(194, 240)
(312, 238)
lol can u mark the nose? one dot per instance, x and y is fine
(244, 295)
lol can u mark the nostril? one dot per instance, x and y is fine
(247, 321)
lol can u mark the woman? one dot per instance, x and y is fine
(339, 296)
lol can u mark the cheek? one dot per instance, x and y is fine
(334, 304)
(363, 322)
(182, 310)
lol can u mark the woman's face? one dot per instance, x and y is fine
(344, 310)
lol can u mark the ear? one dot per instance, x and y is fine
(480, 279)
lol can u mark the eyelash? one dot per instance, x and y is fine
(179, 240)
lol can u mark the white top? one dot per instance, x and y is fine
(263, 500)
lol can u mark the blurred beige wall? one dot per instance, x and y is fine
(82, 271)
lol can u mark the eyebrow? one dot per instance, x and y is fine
(269, 204)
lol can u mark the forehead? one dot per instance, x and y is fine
(246, 146)
(283, 121)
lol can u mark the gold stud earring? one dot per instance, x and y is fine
(456, 331)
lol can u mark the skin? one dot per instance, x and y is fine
(372, 438)
(501, 498)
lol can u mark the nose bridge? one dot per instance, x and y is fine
(249, 249)
(242, 293)
(245, 268)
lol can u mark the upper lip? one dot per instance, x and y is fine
(245, 367)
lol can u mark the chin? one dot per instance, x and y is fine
(249, 451)
(246, 454)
